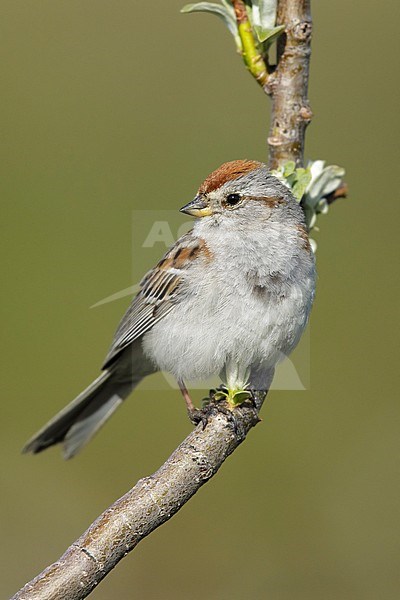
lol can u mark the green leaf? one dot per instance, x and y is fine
(263, 17)
(303, 178)
(226, 13)
(240, 396)
(264, 13)
(220, 395)
(289, 168)
(268, 35)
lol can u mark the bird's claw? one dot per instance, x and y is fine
(199, 415)
(218, 402)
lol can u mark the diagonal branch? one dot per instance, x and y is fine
(149, 504)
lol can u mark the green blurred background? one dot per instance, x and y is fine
(111, 107)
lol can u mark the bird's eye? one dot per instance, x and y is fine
(233, 199)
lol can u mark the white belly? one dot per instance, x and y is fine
(228, 330)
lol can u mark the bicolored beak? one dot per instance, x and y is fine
(197, 208)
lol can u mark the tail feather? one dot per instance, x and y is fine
(84, 429)
(76, 424)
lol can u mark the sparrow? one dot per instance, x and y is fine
(231, 297)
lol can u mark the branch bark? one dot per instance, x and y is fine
(155, 499)
(152, 502)
(288, 84)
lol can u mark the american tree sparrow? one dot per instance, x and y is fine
(231, 297)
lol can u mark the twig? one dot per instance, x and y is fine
(251, 54)
(145, 507)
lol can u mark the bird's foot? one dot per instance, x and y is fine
(211, 408)
(220, 401)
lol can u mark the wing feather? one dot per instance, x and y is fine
(160, 290)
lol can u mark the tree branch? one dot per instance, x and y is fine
(152, 502)
(288, 84)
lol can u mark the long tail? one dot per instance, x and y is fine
(76, 424)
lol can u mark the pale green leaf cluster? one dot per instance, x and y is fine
(296, 179)
(311, 186)
(324, 181)
(261, 14)
(233, 397)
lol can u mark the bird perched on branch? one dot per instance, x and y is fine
(231, 297)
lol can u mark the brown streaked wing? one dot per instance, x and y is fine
(157, 296)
